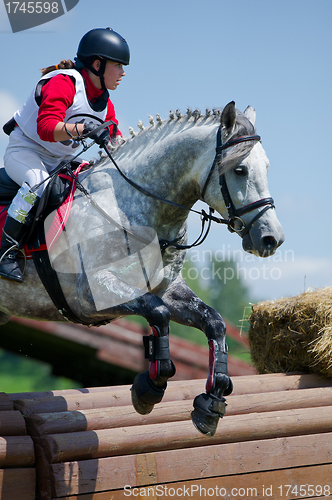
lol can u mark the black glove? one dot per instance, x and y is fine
(101, 137)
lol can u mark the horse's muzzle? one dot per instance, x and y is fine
(265, 246)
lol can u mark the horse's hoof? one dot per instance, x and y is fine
(229, 389)
(140, 407)
(207, 411)
(145, 394)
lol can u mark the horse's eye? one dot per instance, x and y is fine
(241, 171)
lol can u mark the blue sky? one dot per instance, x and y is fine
(275, 56)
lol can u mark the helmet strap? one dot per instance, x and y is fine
(100, 72)
(102, 81)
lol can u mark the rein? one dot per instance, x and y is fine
(166, 243)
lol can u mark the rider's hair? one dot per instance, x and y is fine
(62, 65)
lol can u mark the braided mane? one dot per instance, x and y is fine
(159, 129)
(191, 118)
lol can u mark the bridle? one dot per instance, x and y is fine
(234, 221)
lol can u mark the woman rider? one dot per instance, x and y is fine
(43, 131)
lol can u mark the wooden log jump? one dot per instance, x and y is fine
(17, 457)
(274, 442)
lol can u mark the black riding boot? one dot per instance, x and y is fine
(13, 233)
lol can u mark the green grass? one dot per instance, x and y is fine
(23, 374)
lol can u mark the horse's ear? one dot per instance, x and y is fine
(250, 113)
(228, 117)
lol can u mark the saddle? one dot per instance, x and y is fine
(55, 195)
(57, 198)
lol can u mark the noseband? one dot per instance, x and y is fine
(234, 222)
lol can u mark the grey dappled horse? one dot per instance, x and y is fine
(216, 158)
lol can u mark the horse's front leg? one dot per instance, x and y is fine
(149, 387)
(187, 309)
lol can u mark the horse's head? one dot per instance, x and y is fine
(242, 170)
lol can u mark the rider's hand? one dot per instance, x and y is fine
(101, 137)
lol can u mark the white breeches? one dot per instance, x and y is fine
(26, 161)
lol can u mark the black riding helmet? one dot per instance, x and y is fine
(103, 43)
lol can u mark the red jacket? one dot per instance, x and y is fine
(57, 96)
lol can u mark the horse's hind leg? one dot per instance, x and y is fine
(187, 309)
(149, 387)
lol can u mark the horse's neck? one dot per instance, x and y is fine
(172, 161)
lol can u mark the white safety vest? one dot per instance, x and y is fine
(26, 117)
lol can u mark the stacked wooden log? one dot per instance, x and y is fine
(275, 441)
(17, 458)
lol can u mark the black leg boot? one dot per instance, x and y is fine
(13, 233)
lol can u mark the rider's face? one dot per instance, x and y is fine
(113, 73)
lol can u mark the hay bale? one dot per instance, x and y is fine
(293, 334)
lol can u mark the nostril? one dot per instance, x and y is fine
(269, 243)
